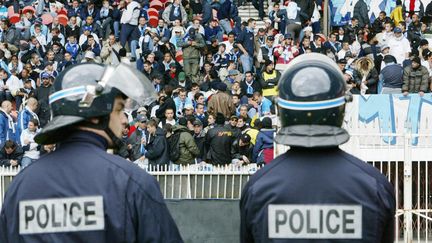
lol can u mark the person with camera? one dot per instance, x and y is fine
(192, 43)
(110, 51)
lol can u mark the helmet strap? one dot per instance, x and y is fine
(118, 143)
(104, 125)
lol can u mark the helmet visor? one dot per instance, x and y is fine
(131, 83)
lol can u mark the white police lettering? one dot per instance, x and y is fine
(315, 221)
(61, 215)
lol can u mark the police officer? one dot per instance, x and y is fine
(80, 193)
(315, 191)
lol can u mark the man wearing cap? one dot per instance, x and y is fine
(87, 31)
(181, 82)
(41, 94)
(379, 59)
(342, 64)
(266, 51)
(415, 78)
(199, 137)
(242, 150)
(188, 148)
(269, 79)
(191, 44)
(188, 110)
(232, 125)
(138, 139)
(231, 78)
(399, 46)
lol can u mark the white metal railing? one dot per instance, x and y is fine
(407, 167)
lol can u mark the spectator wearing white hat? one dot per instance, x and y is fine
(399, 46)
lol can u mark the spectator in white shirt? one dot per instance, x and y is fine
(30, 147)
(399, 46)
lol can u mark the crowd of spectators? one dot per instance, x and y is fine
(216, 77)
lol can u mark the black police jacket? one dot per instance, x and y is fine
(80, 193)
(218, 141)
(317, 195)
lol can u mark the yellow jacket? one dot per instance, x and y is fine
(396, 15)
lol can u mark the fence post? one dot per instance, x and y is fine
(407, 189)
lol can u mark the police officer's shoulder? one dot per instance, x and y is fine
(137, 176)
(266, 169)
(368, 169)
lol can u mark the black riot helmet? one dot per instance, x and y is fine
(89, 90)
(312, 103)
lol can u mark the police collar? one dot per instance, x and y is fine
(87, 137)
(312, 136)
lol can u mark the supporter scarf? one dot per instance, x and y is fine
(10, 123)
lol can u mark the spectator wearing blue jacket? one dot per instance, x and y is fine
(74, 10)
(263, 149)
(213, 31)
(263, 104)
(91, 45)
(90, 10)
(26, 115)
(7, 125)
(181, 101)
(72, 46)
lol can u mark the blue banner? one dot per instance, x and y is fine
(341, 11)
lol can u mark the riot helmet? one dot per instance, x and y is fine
(311, 103)
(89, 90)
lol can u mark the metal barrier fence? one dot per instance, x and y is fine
(405, 164)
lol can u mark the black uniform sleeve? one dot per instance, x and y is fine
(157, 149)
(245, 214)
(4, 162)
(387, 199)
(3, 228)
(153, 222)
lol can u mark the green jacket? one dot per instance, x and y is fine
(189, 51)
(188, 148)
(415, 80)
